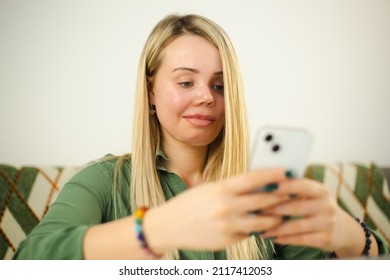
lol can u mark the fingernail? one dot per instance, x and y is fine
(286, 218)
(270, 188)
(293, 195)
(290, 174)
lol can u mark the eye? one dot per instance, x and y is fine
(218, 88)
(186, 84)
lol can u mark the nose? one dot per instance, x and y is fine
(205, 96)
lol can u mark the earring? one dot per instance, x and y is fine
(152, 110)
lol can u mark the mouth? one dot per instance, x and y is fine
(200, 120)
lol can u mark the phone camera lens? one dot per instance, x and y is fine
(268, 137)
(275, 148)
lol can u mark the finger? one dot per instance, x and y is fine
(303, 207)
(302, 188)
(312, 239)
(257, 201)
(255, 223)
(299, 226)
(253, 180)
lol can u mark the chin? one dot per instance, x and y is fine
(200, 141)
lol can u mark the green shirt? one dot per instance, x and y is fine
(87, 199)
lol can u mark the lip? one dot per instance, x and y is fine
(200, 120)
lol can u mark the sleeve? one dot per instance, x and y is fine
(290, 252)
(81, 203)
(383, 247)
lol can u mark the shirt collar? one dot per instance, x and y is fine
(160, 156)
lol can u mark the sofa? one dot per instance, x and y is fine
(26, 193)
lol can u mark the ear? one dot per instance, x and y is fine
(150, 92)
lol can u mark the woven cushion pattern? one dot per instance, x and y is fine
(25, 195)
(361, 190)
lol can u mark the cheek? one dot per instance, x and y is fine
(177, 99)
(170, 102)
(221, 105)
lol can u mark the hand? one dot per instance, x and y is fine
(321, 223)
(214, 215)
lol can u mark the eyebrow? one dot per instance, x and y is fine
(193, 70)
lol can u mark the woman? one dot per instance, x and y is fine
(190, 150)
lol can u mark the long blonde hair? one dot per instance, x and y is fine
(228, 154)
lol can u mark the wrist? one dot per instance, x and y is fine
(139, 228)
(359, 242)
(153, 226)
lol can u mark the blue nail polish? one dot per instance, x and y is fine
(286, 218)
(290, 174)
(270, 188)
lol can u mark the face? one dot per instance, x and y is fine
(187, 92)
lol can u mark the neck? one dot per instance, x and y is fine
(186, 161)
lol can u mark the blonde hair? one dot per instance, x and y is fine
(228, 154)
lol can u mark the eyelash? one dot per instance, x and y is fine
(186, 84)
(217, 88)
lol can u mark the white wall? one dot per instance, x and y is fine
(67, 73)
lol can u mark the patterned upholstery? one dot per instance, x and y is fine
(25, 195)
(27, 192)
(362, 190)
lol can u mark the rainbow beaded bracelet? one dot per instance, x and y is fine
(139, 215)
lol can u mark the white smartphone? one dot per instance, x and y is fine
(286, 147)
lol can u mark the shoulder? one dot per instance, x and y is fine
(108, 165)
(98, 175)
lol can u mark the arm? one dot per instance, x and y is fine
(206, 217)
(113, 240)
(79, 224)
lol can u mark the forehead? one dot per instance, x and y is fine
(191, 51)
